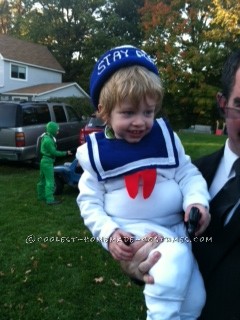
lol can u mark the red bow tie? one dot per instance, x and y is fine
(148, 177)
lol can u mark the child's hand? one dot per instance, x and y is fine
(204, 219)
(118, 247)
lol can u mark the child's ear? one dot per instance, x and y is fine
(105, 118)
(221, 103)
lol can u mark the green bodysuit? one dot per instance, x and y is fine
(45, 186)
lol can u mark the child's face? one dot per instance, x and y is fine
(131, 123)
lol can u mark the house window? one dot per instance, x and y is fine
(18, 72)
(16, 98)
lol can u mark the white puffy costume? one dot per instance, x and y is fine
(145, 187)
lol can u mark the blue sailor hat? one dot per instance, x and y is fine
(113, 60)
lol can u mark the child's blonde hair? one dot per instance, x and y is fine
(134, 83)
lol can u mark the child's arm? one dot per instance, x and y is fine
(51, 149)
(91, 203)
(192, 184)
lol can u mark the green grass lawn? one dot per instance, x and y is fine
(198, 145)
(62, 274)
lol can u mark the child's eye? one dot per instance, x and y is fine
(149, 112)
(128, 113)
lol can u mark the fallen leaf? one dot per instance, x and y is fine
(40, 299)
(20, 306)
(115, 283)
(35, 264)
(99, 280)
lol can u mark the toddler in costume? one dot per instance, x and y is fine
(137, 178)
(48, 151)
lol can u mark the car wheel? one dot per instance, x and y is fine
(59, 184)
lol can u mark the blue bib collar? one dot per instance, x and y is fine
(114, 157)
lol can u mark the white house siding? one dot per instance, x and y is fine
(35, 76)
(1, 73)
(63, 92)
(38, 76)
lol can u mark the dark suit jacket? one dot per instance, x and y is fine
(219, 259)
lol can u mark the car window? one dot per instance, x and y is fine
(36, 115)
(95, 122)
(29, 116)
(72, 114)
(8, 115)
(59, 113)
(43, 114)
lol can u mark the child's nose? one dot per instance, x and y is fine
(138, 120)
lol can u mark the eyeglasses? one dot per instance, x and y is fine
(232, 113)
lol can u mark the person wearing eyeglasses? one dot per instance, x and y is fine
(218, 258)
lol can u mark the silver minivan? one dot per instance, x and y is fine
(22, 123)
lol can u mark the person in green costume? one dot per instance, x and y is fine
(48, 150)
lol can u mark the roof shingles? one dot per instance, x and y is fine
(27, 52)
(40, 88)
